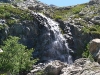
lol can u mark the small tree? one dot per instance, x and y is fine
(15, 56)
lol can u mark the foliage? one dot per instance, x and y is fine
(11, 22)
(95, 29)
(15, 56)
(41, 73)
(77, 8)
(8, 11)
(2, 26)
(57, 17)
(87, 54)
(65, 13)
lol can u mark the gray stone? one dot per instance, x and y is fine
(49, 68)
(96, 19)
(82, 66)
(54, 68)
(2, 21)
(94, 49)
(94, 1)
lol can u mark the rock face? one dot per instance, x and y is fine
(72, 31)
(44, 35)
(51, 42)
(32, 5)
(94, 1)
(94, 49)
(81, 66)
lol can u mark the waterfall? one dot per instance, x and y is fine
(51, 45)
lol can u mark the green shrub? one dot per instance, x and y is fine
(2, 26)
(15, 57)
(87, 54)
(11, 22)
(40, 73)
(65, 13)
(95, 29)
(77, 8)
(58, 17)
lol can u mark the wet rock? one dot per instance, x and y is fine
(51, 43)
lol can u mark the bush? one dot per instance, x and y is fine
(11, 22)
(65, 13)
(15, 57)
(95, 29)
(58, 17)
(87, 54)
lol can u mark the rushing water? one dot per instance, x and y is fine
(51, 44)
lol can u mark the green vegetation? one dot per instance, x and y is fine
(87, 54)
(95, 29)
(15, 57)
(40, 73)
(13, 14)
(3, 26)
(63, 14)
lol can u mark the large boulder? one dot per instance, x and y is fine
(49, 68)
(82, 66)
(54, 68)
(94, 49)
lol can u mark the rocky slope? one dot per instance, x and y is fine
(62, 34)
(79, 67)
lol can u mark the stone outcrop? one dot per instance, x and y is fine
(94, 1)
(96, 19)
(49, 68)
(32, 5)
(94, 49)
(81, 66)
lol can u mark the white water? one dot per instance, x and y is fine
(57, 46)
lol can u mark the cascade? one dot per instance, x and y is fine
(51, 45)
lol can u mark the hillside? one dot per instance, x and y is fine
(58, 35)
